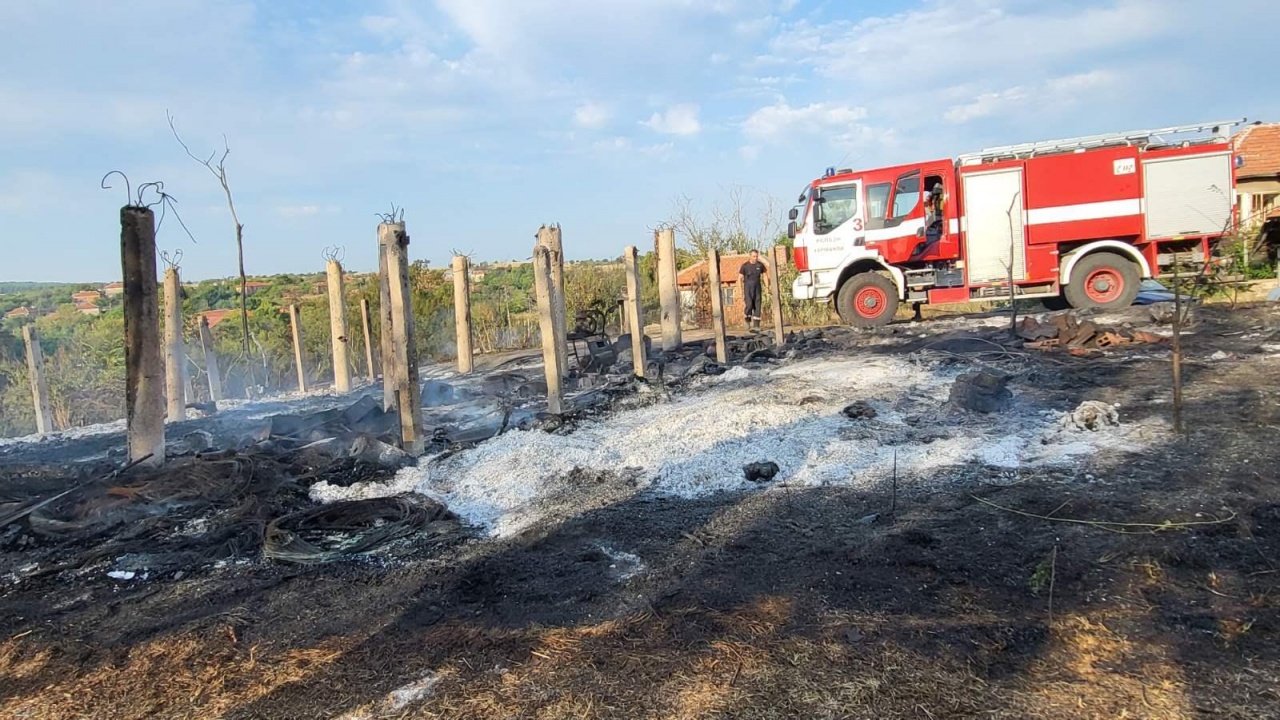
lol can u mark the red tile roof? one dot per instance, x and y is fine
(1259, 145)
(729, 267)
(215, 316)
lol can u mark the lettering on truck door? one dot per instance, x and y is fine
(838, 220)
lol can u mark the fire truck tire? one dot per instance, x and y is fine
(1103, 281)
(867, 300)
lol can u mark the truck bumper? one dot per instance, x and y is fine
(802, 288)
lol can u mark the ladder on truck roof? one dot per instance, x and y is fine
(1141, 138)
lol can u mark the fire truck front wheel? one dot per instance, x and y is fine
(1104, 281)
(867, 300)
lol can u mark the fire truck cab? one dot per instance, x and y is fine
(1078, 222)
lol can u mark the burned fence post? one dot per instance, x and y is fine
(462, 312)
(550, 237)
(144, 362)
(368, 339)
(407, 391)
(338, 327)
(39, 387)
(210, 360)
(295, 322)
(385, 232)
(635, 313)
(544, 288)
(175, 355)
(775, 288)
(669, 291)
(717, 305)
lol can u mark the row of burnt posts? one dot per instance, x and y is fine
(156, 379)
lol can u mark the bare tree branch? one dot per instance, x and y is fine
(219, 172)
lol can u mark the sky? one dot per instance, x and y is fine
(485, 119)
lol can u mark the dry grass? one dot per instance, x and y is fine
(177, 676)
(757, 661)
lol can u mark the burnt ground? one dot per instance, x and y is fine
(1145, 588)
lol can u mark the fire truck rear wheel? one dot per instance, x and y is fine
(1103, 281)
(867, 300)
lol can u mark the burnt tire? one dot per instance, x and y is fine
(867, 300)
(1103, 281)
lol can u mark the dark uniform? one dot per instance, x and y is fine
(752, 274)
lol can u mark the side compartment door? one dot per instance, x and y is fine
(837, 222)
(995, 212)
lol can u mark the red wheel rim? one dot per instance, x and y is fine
(870, 302)
(1104, 285)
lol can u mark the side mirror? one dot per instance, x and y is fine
(795, 213)
(791, 229)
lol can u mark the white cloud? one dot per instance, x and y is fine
(970, 38)
(677, 120)
(1057, 94)
(301, 211)
(293, 211)
(839, 124)
(621, 144)
(592, 116)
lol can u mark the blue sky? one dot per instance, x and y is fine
(487, 118)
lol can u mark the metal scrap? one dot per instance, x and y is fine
(332, 532)
(1078, 337)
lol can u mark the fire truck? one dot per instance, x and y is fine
(1078, 222)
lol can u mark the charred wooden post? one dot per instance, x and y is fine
(39, 387)
(717, 306)
(669, 291)
(368, 340)
(295, 321)
(385, 237)
(210, 360)
(550, 237)
(552, 341)
(408, 392)
(462, 312)
(775, 294)
(338, 327)
(635, 313)
(175, 355)
(144, 361)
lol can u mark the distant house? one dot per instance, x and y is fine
(87, 307)
(22, 312)
(86, 296)
(253, 287)
(215, 316)
(113, 289)
(691, 277)
(1257, 150)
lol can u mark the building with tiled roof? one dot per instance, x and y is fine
(213, 317)
(691, 277)
(1257, 150)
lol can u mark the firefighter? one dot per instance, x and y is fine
(750, 275)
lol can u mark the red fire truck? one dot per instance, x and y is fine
(1077, 222)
